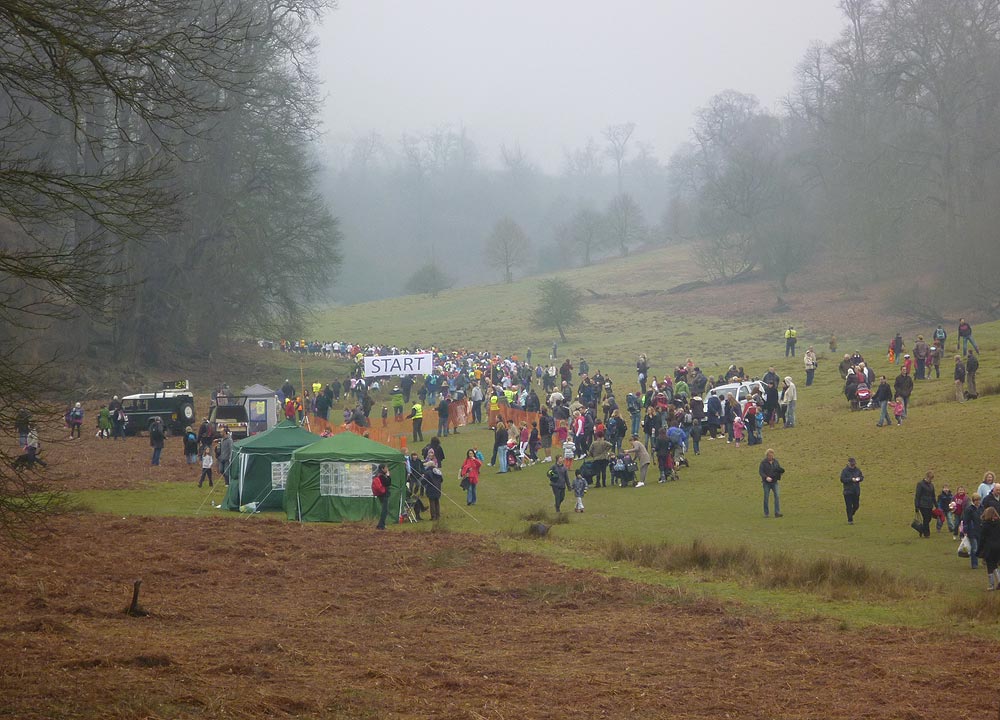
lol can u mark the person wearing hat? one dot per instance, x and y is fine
(851, 477)
(810, 364)
(934, 360)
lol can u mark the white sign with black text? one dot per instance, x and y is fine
(378, 365)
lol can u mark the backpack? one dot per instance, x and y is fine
(632, 403)
(939, 334)
(378, 489)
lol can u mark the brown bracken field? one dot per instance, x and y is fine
(252, 617)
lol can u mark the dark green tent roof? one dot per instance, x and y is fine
(348, 447)
(286, 436)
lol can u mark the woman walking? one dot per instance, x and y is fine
(989, 546)
(469, 475)
(924, 501)
(558, 481)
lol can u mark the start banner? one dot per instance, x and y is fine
(399, 365)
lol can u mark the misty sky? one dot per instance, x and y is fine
(548, 74)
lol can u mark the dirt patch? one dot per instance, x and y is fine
(344, 622)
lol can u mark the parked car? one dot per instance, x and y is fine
(741, 391)
(174, 404)
(233, 415)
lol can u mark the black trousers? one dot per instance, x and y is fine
(852, 501)
(384, 502)
(925, 529)
(602, 473)
(418, 433)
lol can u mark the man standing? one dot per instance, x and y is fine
(790, 341)
(903, 386)
(971, 366)
(225, 454)
(851, 477)
(881, 398)
(920, 352)
(477, 397)
(156, 438)
(417, 415)
(965, 335)
(770, 474)
(959, 379)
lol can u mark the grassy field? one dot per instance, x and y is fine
(717, 502)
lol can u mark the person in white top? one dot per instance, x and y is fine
(788, 398)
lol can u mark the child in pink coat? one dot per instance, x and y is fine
(738, 430)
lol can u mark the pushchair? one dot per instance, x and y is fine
(587, 471)
(668, 465)
(514, 460)
(412, 507)
(623, 469)
(862, 397)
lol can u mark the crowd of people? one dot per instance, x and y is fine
(561, 410)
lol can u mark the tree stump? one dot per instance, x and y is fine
(135, 609)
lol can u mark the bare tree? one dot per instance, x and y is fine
(583, 163)
(507, 248)
(618, 137)
(516, 162)
(584, 233)
(626, 223)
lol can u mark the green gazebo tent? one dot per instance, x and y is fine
(260, 463)
(331, 480)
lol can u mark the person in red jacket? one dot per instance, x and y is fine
(469, 474)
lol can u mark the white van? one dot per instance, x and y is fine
(741, 391)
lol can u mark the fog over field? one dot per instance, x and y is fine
(550, 75)
(471, 143)
(272, 156)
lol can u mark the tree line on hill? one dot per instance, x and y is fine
(885, 152)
